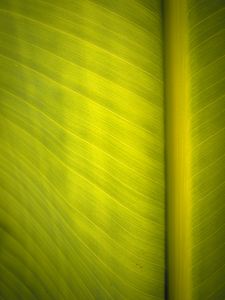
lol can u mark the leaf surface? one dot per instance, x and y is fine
(81, 150)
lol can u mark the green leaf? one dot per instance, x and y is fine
(195, 147)
(112, 149)
(82, 156)
(207, 44)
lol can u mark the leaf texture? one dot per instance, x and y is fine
(82, 180)
(81, 150)
(207, 62)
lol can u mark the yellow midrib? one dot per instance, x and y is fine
(177, 150)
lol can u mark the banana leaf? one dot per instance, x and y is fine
(92, 200)
(82, 156)
(207, 102)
